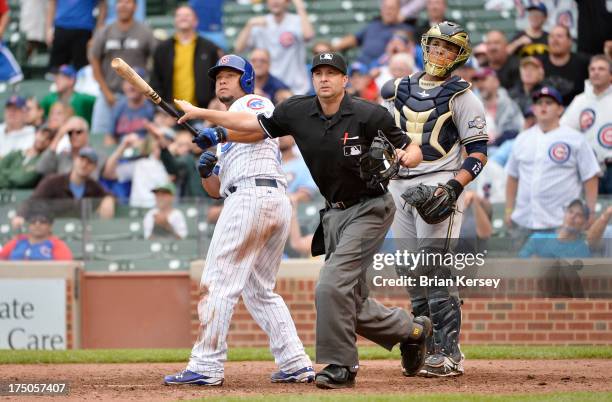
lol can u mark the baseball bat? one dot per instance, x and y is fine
(127, 73)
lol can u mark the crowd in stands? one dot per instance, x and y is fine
(546, 90)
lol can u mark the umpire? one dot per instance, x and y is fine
(332, 131)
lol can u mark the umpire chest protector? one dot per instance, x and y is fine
(425, 114)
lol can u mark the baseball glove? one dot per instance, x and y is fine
(432, 208)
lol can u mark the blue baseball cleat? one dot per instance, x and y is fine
(191, 378)
(305, 374)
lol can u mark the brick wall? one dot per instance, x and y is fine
(497, 320)
(69, 323)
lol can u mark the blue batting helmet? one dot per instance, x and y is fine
(247, 79)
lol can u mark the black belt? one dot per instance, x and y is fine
(349, 203)
(258, 183)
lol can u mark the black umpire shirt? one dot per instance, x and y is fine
(332, 145)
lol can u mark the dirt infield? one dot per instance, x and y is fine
(144, 381)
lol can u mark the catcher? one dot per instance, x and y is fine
(440, 113)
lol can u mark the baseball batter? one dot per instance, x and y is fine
(442, 115)
(246, 248)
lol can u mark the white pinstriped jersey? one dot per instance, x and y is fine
(238, 162)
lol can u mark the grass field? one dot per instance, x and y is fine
(263, 354)
(552, 397)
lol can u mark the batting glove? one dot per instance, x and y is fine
(206, 164)
(210, 137)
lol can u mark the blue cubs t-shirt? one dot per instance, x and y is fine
(126, 120)
(75, 14)
(24, 250)
(547, 245)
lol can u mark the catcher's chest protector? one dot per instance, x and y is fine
(425, 114)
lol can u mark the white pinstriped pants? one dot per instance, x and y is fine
(243, 259)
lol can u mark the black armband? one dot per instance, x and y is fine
(473, 166)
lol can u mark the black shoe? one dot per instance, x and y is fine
(334, 377)
(414, 350)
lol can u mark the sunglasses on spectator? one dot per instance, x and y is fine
(43, 221)
(78, 131)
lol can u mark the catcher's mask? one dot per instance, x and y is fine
(379, 164)
(438, 61)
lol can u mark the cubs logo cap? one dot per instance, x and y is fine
(334, 60)
(547, 91)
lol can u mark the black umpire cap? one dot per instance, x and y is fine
(334, 60)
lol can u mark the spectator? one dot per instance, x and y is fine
(560, 12)
(503, 116)
(10, 71)
(549, 166)
(568, 241)
(410, 9)
(361, 83)
(373, 38)
(164, 221)
(297, 243)
(32, 16)
(14, 133)
(284, 35)
(111, 11)
(436, 13)
(38, 244)
(476, 228)
(134, 169)
(82, 104)
(56, 161)
(59, 114)
(69, 25)
(400, 65)
(564, 69)
(210, 20)
(608, 49)
(591, 113)
(480, 54)
(300, 185)
(125, 38)
(181, 63)
(182, 162)
(35, 113)
(533, 40)
(505, 66)
(532, 74)
(63, 193)
(130, 113)
(599, 229)
(18, 168)
(594, 26)
(265, 83)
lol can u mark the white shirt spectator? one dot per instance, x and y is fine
(287, 48)
(550, 169)
(592, 115)
(175, 218)
(21, 139)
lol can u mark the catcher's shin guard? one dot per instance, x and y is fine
(446, 316)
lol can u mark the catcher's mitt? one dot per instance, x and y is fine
(380, 163)
(433, 209)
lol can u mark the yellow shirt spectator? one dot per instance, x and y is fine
(184, 76)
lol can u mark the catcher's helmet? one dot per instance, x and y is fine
(437, 65)
(247, 79)
(379, 164)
